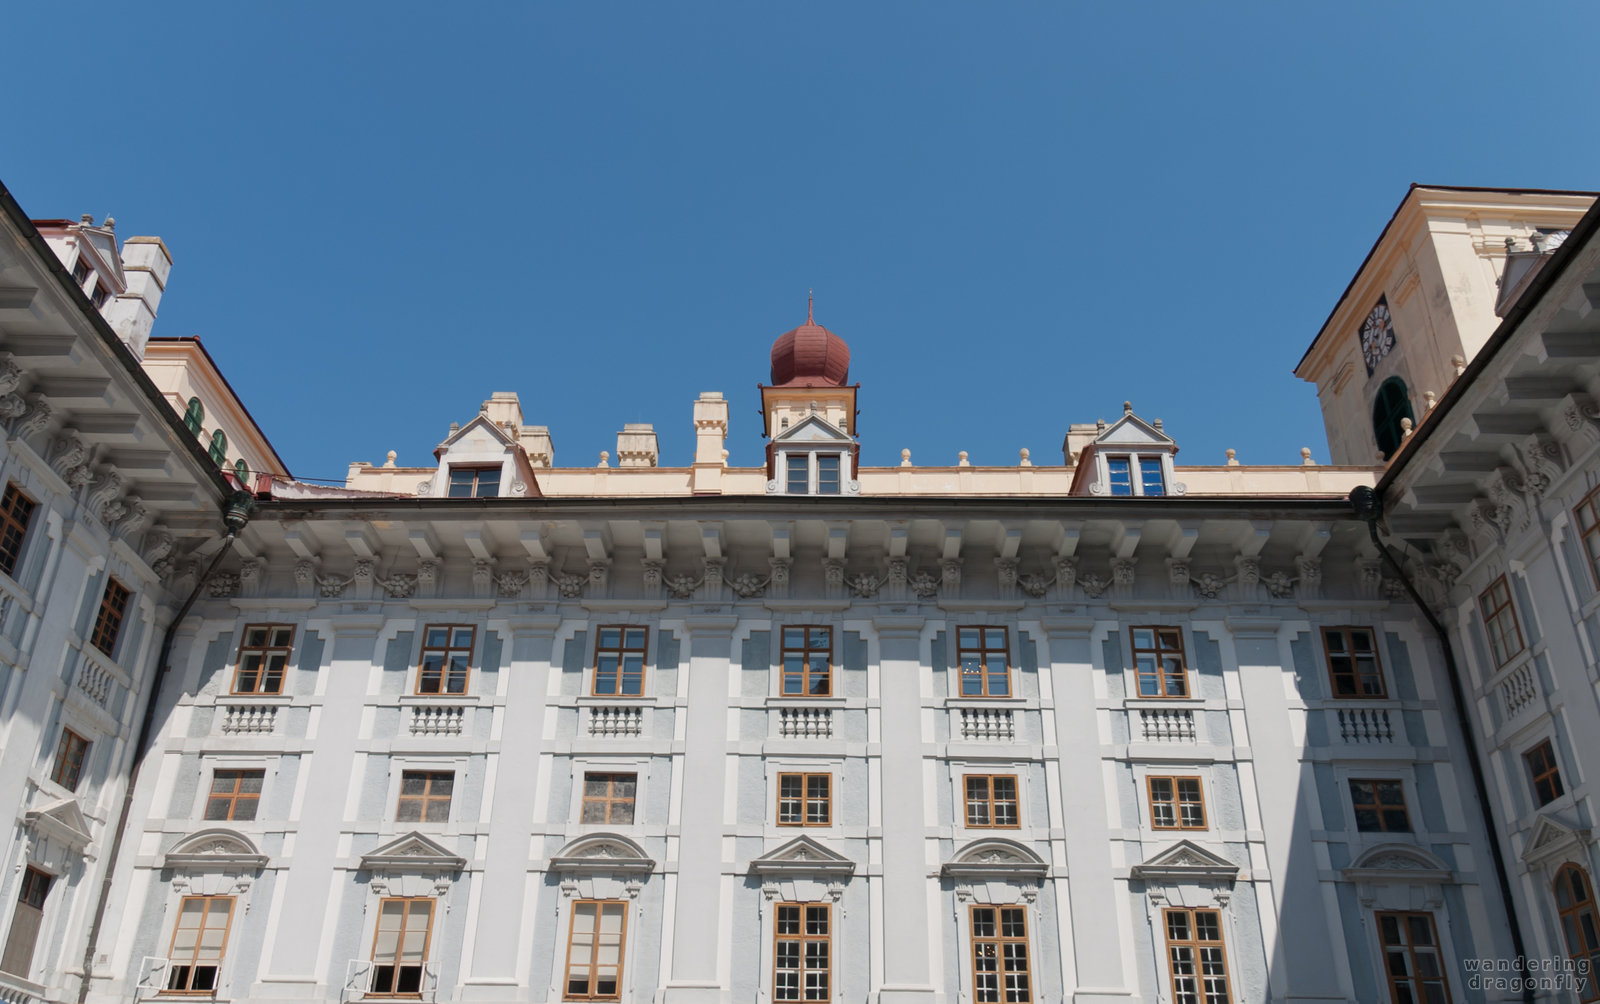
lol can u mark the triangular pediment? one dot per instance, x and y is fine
(598, 852)
(479, 436)
(813, 429)
(995, 858)
(215, 849)
(1132, 431)
(803, 856)
(1552, 838)
(1186, 861)
(412, 852)
(60, 820)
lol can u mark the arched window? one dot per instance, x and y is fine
(219, 447)
(1390, 406)
(1580, 925)
(194, 415)
(242, 471)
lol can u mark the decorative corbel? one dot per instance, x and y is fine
(34, 419)
(482, 577)
(653, 569)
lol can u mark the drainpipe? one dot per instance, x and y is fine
(1368, 506)
(234, 516)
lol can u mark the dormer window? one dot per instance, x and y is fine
(1135, 475)
(813, 473)
(1151, 481)
(827, 474)
(474, 482)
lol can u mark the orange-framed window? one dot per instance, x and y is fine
(1411, 958)
(802, 952)
(805, 799)
(1176, 803)
(992, 801)
(984, 655)
(806, 655)
(446, 658)
(1500, 621)
(1353, 666)
(1000, 971)
(1197, 957)
(26, 920)
(71, 751)
(263, 658)
(199, 940)
(108, 622)
(235, 794)
(425, 796)
(1580, 926)
(608, 798)
(1588, 517)
(594, 950)
(16, 513)
(1158, 660)
(619, 654)
(1380, 805)
(400, 946)
(1544, 772)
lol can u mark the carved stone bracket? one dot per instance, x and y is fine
(653, 570)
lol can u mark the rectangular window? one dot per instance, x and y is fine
(1120, 470)
(1411, 958)
(1158, 659)
(1195, 952)
(802, 952)
(198, 941)
(16, 512)
(25, 923)
(594, 950)
(474, 482)
(805, 799)
(619, 661)
(1500, 620)
(798, 473)
(608, 798)
(992, 801)
(1000, 954)
(425, 796)
(1353, 662)
(1588, 513)
(1176, 803)
(1541, 761)
(400, 946)
(984, 656)
(827, 476)
(71, 751)
(108, 622)
(234, 794)
(807, 657)
(263, 656)
(1380, 806)
(446, 656)
(1151, 480)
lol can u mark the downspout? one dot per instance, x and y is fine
(1368, 506)
(234, 517)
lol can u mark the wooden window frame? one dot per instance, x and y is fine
(72, 750)
(426, 801)
(1176, 803)
(427, 943)
(173, 966)
(108, 621)
(265, 650)
(997, 942)
(805, 651)
(1195, 945)
(194, 416)
(16, 515)
(621, 651)
(477, 471)
(1347, 636)
(1402, 917)
(594, 946)
(234, 796)
(444, 672)
(1159, 652)
(610, 799)
(32, 894)
(802, 938)
(1543, 767)
(1587, 516)
(1377, 805)
(1571, 920)
(807, 799)
(981, 652)
(991, 802)
(1495, 614)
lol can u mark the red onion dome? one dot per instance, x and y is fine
(810, 356)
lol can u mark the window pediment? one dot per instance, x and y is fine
(478, 436)
(803, 856)
(412, 853)
(995, 859)
(59, 824)
(1397, 863)
(215, 849)
(1552, 839)
(812, 431)
(1186, 861)
(602, 852)
(1131, 431)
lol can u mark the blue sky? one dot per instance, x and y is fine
(1018, 214)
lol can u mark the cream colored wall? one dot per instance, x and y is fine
(180, 371)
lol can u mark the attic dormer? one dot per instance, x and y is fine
(482, 459)
(812, 456)
(1130, 457)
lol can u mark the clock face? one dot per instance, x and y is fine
(1377, 335)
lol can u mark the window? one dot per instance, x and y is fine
(219, 448)
(797, 473)
(1500, 620)
(1176, 803)
(1000, 954)
(1588, 514)
(805, 799)
(1389, 407)
(70, 754)
(808, 473)
(474, 482)
(16, 512)
(619, 661)
(1580, 926)
(1120, 472)
(108, 622)
(25, 923)
(1353, 662)
(984, 655)
(1150, 478)
(1541, 761)
(992, 801)
(263, 656)
(81, 272)
(608, 798)
(194, 415)
(234, 794)
(425, 796)
(400, 946)
(1158, 659)
(1195, 953)
(446, 655)
(807, 657)
(594, 950)
(1380, 806)
(802, 952)
(1411, 958)
(827, 475)
(242, 471)
(100, 295)
(198, 942)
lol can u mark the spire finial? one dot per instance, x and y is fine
(810, 303)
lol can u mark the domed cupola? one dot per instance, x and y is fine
(809, 413)
(810, 356)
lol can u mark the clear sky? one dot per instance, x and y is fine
(1017, 214)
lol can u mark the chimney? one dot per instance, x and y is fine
(710, 434)
(146, 264)
(536, 443)
(503, 408)
(636, 445)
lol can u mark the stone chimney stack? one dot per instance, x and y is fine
(146, 263)
(636, 445)
(710, 435)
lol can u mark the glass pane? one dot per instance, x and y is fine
(437, 637)
(634, 638)
(463, 638)
(820, 638)
(610, 637)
